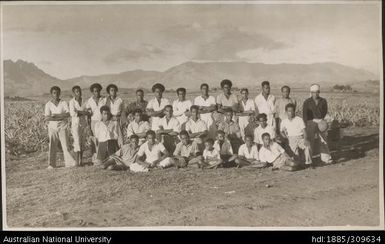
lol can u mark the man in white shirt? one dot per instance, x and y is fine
(293, 128)
(207, 105)
(115, 103)
(181, 107)
(265, 103)
(196, 127)
(56, 113)
(138, 127)
(155, 152)
(155, 106)
(246, 109)
(248, 154)
(168, 129)
(263, 128)
(93, 106)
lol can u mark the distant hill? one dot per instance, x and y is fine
(23, 78)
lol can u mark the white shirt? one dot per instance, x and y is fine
(265, 106)
(95, 108)
(249, 105)
(73, 107)
(180, 108)
(270, 155)
(151, 155)
(259, 131)
(153, 104)
(293, 127)
(172, 124)
(51, 109)
(252, 154)
(196, 126)
(116, 105)
(226, 148)
(209, 155)
(200, 101)
(136, 128)
(105, 132)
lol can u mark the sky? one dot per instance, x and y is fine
(67, 41)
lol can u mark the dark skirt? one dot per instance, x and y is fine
(107, 148)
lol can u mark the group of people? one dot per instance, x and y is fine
(206, 132)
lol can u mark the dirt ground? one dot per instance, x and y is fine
(346, 193)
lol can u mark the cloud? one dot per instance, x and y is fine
(231, 42)
(144, 51)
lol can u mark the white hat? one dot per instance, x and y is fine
(314, 88)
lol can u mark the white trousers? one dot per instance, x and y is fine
(56, 136)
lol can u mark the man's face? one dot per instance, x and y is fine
(139, 96)
(55, 94)
(229, 116)
(226, 89)
(290, 112)
(112, 92)
(138, 117)
(181, 95)
(105, 115)
(285, 92)
(315, 94)
(266, 140)
(168, 112)
(151, 139)
(194, 114)
(134, 141)
(208, 145)
(205, 90)
(244, 94)
(248, 141)
(77, 92)
(266, 89)
(96, 92)
(220, 137)
(263, 122)
(158, 93)
(252, 119)
(185, 139)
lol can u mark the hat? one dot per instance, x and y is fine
(314, 88)
(322, 126)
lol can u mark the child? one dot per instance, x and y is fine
(138, 126)
(293, 128)
(263, 128)
(272, 153)
(155, 106)
(78, 114)
(211, 156)
(231, 129)
(155, 152)
(168, 129)
(223, 146)
(107, 135)
(93, 106)
(186, 151)
(280, 105)
(181, 107)
(125, 158)
(248, 154)
(247, 108)
(56, 113)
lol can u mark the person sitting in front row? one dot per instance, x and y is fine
(186, 152)
(125, 158)
(263, 128)
(248, 154)
(155, 152)
(272, 153)
(211, 157)
(223, 146)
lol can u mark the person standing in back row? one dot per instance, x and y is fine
(140, 103)
(181, 107)
(246, 109)
(315, 109)
(280, 106)
(155, 107)
(265, 103)
(207, 106)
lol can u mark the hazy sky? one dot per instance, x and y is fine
(73, 40)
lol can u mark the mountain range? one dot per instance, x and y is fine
(25, 79)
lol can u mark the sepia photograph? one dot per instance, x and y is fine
(192, 115)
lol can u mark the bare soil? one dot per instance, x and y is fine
(346, 193)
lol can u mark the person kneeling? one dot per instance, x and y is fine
(272, 153)
(248, 154)
(125, 158)
(155, 152)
